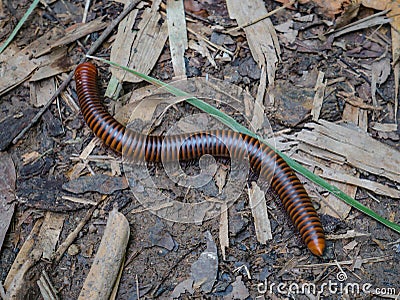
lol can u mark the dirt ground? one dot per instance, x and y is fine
(162, 254)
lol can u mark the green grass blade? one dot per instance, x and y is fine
(229, 121)
(19, 25)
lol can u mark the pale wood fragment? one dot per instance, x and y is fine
(224, 230)
(50, 233)
(178, 41)
(259, 211)
(108, 260)
(41, 91)
(319, 96)
(24, 260)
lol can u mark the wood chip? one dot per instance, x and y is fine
(258, 119)
(349, 234)
(224, 230)
(50, 233)
(26, 258)
(372, 186)
(41, 91)
(319, 96)
(259, 211)
(46, 287)
(108, 260)
(178, 41)
(384, 127)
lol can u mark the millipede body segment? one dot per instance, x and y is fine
(220, 143)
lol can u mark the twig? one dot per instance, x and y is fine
(137, 287)
(85, 13)
(262, 18)
(91, 51)
(73, 235)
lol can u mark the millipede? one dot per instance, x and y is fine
(219, 143)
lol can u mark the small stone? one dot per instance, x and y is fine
(73, 250)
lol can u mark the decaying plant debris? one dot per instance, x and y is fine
(323, 74)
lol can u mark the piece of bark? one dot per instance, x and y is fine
(178, 41)
(224, 230)
(258, 207)
(97, 183)
(18, 269)
(12, 125)
(319, 96)
(108, 260)
(204, 270)
(41, 91)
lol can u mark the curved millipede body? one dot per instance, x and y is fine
(220, 143)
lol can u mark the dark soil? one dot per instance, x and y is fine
(161, 253)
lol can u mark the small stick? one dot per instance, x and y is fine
(91, 51)
(73, 235)
(85, 13)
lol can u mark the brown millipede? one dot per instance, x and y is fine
(219, 143)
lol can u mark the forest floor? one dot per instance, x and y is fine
(317, 79)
